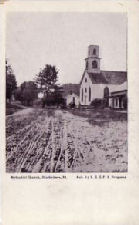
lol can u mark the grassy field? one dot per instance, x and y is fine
(101, 115)
(41, 140)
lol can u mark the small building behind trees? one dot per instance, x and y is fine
(71, 94)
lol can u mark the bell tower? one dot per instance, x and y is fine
(92, 63)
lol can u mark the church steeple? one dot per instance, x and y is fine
(93, 60)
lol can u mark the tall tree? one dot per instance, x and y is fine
(11, 83)
(47, 78)
(28, 92)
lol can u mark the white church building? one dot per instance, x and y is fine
(97, 84)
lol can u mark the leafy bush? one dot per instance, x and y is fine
(28, 93)
(37, 102)
(98, 103)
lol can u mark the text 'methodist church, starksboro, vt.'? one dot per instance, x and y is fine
(98, 84)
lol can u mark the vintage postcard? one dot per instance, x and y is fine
(66, 92)
(69, 111)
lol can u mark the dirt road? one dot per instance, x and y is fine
(58, 141)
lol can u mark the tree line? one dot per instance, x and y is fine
(45, 82)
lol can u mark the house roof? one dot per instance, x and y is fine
(107, 77)
(68, 88)
(120, 87)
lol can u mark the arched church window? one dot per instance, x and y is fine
(89, 94)
(82, 94)
(94, 51)
(86, 64)
(94, 64)
(85, 79)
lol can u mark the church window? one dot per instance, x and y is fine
(94, 51)
(87, 65)
(85, 90)
(85, 79)
(94, 64)
(89, 94)
(82, 94)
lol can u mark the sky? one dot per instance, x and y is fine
(34, 39)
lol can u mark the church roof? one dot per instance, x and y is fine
(115, 77)
(97, 78)
(108, 77)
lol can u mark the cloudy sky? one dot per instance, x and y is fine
(34, 39)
